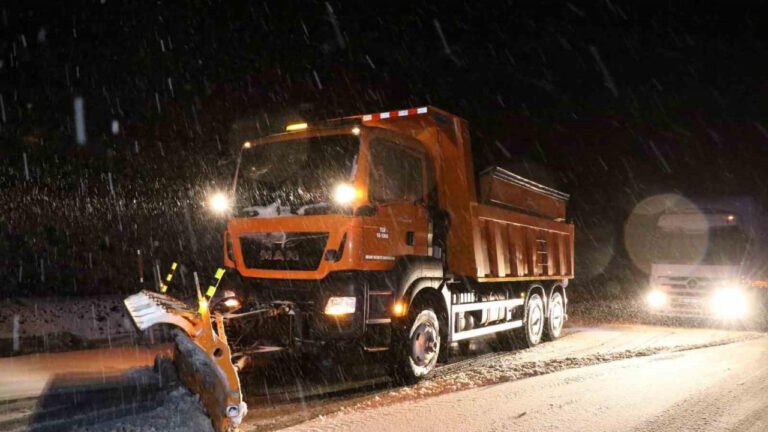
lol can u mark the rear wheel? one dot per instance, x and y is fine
(555, 317)
(464, 349)
(531, 333)
(533, 322)
(416, 355)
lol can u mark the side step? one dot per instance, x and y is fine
(508, 306)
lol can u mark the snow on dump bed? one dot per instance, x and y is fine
(181, 412)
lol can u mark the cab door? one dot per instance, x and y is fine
(397, 194)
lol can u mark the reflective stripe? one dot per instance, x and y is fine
(164, 288)
(211, 291)
(173, 266)
(391, 114)
(219, 273)
(169, 277)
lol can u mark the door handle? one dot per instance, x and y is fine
(409, 238)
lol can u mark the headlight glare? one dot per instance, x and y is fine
(657, 298)
(340, 306)
(219, 202)
(344, 194)
(729, 303)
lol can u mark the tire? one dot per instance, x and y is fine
(417, 352)
(532, 331)
(464, 349)
(507, 341)
(555, 317)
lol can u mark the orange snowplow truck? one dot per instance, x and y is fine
(373, 233)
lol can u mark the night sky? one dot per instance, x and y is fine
(609, 101)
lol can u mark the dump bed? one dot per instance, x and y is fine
(515, 230)
(508, 190)
(519, 230)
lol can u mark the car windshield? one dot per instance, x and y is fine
(294, 177)
(718, 246)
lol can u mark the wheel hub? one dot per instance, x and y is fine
(536, 322)
(424, 344)
(557, 316)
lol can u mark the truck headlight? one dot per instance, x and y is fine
(232, 303)
(657, 298)
(344, 194)
(729, 303)
(340, 306)
(219, 203)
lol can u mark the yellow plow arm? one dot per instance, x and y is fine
(203, 358)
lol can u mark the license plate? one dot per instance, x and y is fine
(690, 300)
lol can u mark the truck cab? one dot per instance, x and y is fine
(700, 269)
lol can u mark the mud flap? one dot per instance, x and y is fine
(203, 358)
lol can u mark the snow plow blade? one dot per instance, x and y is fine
(203, 358)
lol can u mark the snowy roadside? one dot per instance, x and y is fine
(60, 324)
(30, 325)
(622, 311)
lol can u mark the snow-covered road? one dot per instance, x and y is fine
(711, 388)
(608, 377)
(30, 375)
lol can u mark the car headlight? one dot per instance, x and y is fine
(729, 303)
(657, 298)
(340, 306)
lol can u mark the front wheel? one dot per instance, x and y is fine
(417, 355)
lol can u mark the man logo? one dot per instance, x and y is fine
(278, 255)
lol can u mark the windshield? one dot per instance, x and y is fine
(294, 177)
(718, 246)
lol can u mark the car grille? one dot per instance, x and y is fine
(300, 251)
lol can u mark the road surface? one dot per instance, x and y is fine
(716, 388)
(30, 375)
(616, 377)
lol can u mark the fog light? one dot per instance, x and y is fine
(657, 298)
(340, 306)
(398, 309)
(232, 303)
(729, 303)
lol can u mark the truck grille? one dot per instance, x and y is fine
(688, 296)
(283, 251)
